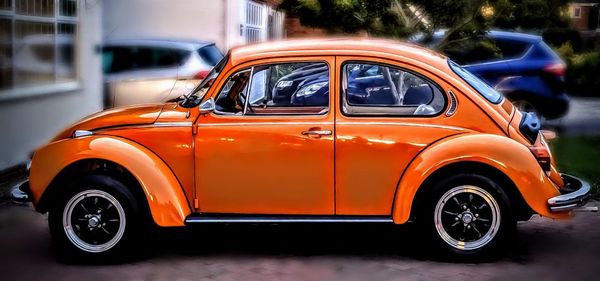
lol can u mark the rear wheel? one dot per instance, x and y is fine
(97, 217)
(468, 216)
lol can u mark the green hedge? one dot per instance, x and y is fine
(583, 71)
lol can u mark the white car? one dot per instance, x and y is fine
(151, 71)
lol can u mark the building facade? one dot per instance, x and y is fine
(585, 15)
(228, 23)
(50, 68)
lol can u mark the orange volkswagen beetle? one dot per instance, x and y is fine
(307, 131)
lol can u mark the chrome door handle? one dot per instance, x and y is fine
(317, 133)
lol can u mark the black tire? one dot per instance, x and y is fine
(97, 219)
(467, 216)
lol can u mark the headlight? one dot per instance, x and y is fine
(309, 90)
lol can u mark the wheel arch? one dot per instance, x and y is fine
(58, 162)
(522, 211)
(497, 156)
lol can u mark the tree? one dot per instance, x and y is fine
(462, 19)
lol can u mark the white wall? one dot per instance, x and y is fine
(175, 19)
(26, 123)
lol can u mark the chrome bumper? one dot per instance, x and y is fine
(574, 194)
(20, 193)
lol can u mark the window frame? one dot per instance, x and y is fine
(248, 87)
(344, 103)
(25, 91)
(577, 12)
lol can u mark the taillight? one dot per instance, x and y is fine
(542, 155)
(201, 74)
(556, 69)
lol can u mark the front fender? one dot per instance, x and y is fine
(504, 154)
(165, 196)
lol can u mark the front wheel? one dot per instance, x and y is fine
(468, 216)
(96, 217)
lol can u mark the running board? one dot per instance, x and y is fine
(254, 219)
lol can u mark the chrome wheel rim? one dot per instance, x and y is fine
(467, 217)
(94, 221)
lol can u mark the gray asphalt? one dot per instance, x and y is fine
(583, 118)
(545, 250)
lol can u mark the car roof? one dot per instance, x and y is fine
(335, 46)
(514, 36)
(186, 44)
(518, 36)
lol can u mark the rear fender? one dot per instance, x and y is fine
(504, 154)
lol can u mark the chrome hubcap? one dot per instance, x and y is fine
(467, 217)
(94, 221)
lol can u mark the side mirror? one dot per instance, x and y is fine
(207, 106)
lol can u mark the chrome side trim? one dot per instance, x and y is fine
(402, 124)
(82, 133)
(502, 61)
(263, 124)
(173, 124)
(268, 220)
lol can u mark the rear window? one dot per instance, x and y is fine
(118, 59)
(210, 54)
(481, 87)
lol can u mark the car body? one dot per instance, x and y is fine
(220, 157)
(141, 71)
(526, 70)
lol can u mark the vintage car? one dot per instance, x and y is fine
(421, 140)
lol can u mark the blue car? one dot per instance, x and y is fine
(525, 69)
(309, 86)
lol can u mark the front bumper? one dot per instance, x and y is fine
(574, 194)
(21, 193)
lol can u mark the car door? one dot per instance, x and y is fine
(268, 146)
(381, 126)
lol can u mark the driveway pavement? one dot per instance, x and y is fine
(583, 118)
(545, 250)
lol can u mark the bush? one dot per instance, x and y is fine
(583, 74)
(560, 36)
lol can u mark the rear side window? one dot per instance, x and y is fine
(210, 54)
(375, 89)
(511, 49)
(118, 59)
(485, 50)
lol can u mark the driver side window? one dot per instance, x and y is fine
(232, 97)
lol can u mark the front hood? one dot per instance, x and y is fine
(120, 116)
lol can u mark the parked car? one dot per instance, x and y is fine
(524, 68)
(457, 159)
(149, 71)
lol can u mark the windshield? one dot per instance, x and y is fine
(484, 89)
(203, 87)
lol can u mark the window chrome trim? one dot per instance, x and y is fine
(262, 124)
(390, 110)
(173, 124)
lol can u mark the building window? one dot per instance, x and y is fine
(576, 12)
(254, 27)
(38, 43)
